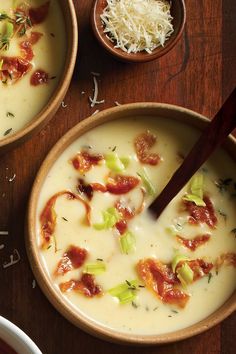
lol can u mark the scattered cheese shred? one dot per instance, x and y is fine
(138, 25)
(14, 258)
(4, 233)
(2, 246)
(94, 100)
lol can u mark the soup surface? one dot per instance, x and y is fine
(105, 254)
(32, 55)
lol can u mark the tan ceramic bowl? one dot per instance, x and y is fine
(78, 319)
(178, 13)
(43, 117)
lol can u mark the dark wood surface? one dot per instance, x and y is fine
(199, 73)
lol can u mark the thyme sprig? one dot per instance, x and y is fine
(22, 20)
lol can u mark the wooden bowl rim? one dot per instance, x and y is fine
(136, 57)
(79, 319)
(61, 88)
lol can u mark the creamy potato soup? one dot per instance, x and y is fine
(109, 258)
(32, 55)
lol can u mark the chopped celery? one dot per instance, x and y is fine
(127, 243)
(110, 218)
(125, 292)
(185, 274)
(95, 268)
(147, 182)
(177, 259)
(195, 199)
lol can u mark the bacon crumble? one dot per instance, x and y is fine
(85, 286)
(73, 258)
(143, 143)
(201, 214)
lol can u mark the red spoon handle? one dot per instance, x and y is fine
(213, 136)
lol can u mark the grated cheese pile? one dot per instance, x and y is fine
(137, 25)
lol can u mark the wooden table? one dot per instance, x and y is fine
(198, 73)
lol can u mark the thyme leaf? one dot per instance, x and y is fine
(7, 131)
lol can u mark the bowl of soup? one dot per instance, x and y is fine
(38, 46)
(101, 258)
(14, 341)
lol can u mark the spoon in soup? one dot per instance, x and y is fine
(212, 137)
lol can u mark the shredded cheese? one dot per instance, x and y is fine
(137, 25)
(2, 246)
(4, 233)
(94, 100)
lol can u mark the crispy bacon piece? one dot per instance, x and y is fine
(126, 212)
(159, 278)
(143, 143)
(38, 14)
(39, 77)
(14, 68)
(73, 258)
(201, 214)
(199, 267)
(83, 161)
(86, 286)
(228, 259)
(48, 216)
(195, 242)
(26, 46)
(98, 187)
(85, 189)
(121, 226)
(121, 184)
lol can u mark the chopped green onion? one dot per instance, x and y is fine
(125, 292)
(196, 185)
(125, 161)
(95, 268)
(5, 37)
(110, 218)
(114, 163)
(185, 274)
(147, 183)
(195, 199)
(178, 258)
(127, 242)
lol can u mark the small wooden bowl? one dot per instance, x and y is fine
(178, 13)
(43, 117)
(33, 251)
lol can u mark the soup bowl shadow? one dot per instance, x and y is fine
(178, 12)
(33, 249)
(44, 116)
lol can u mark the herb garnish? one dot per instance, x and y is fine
(114, 149)
(7, 131)
(100, 259)
(155, 308)
(134, 305)
(49, 247)
(222, 214)
(9, 114)
(24, 21)
(131, 287)
(233, 231)
(64, 218)
(174, 311)
(3, 16)
(209, 277)
(223, 184)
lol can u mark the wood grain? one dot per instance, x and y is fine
(199, 73)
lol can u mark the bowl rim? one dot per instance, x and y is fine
(59, 92)
(140, 57)
(79, 319)
(11, 330)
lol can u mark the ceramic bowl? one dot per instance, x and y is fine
(178, 13)
(39, 270)
(16, 338)
(43, 117)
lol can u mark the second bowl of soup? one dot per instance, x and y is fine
(38, 45)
